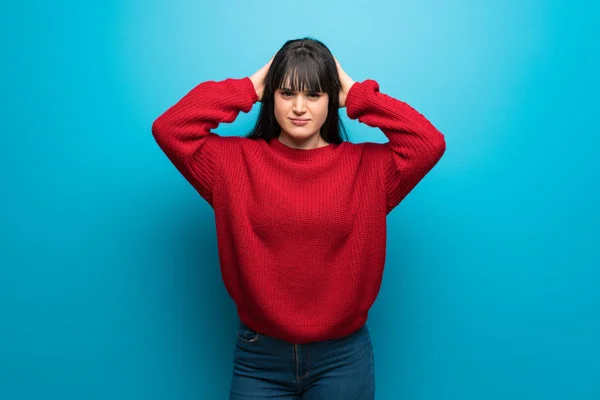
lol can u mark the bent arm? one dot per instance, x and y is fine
(184, 134)
(414, 146)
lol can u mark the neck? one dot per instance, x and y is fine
(313, 142)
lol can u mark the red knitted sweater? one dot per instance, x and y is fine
(301, 233)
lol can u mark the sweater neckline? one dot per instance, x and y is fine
(319, 153)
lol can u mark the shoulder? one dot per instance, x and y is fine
(368, 149)
(375, 156)
(234, 143)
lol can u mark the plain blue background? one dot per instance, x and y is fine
(109, 282)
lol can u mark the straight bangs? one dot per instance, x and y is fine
(301, 65)
(302, 74)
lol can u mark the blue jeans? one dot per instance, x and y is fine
(268, 368)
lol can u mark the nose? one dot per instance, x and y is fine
(299, 105)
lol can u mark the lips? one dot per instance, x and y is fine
(299, 122)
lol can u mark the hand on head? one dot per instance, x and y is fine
(258, 79)
(346, 82)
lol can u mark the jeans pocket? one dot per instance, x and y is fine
(247, 335)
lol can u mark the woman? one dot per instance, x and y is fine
(300, 214)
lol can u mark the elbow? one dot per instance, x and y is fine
(438, 147)
(160, 133)
(158, 128)
(441, 145)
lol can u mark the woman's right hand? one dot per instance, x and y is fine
(258, 79)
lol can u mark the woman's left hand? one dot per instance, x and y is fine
(346, 82)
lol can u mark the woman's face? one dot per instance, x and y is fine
(309, 106)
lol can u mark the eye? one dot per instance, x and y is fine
(287, 93)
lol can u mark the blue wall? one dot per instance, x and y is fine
(109, 280)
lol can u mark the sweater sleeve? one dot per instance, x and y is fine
(414, 145)
(184, 134)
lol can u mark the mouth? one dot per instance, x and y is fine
(299, 122)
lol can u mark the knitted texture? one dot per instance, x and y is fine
(301, 233)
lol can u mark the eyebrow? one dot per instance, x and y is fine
(285, 89)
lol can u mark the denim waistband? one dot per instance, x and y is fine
(242, 325)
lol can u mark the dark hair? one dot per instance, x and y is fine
(311, 66)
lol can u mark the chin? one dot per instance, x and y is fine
(303, 135)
